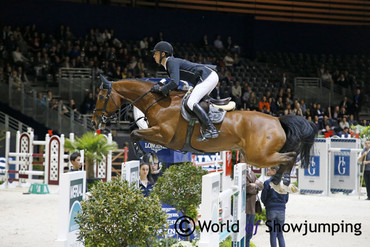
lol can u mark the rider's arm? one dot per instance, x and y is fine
(173, 69)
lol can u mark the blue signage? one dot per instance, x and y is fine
(172, 216)
(313, 169)
(164, 154)
(341, 165)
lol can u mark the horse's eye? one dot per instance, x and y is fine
(101, 97)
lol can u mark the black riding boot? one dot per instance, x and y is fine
(211, 131)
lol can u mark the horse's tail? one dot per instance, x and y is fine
(300, 136)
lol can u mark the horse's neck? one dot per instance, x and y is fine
(132, 90)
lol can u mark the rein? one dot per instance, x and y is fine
(104, 119)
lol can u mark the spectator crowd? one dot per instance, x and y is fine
(28, 56)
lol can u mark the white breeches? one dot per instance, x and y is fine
(202, 89)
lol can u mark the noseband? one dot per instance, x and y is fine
(102, 118)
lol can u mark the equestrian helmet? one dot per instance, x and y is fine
(164, 46)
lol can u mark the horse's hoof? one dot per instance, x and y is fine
(286, 181)
(293, 188)
(290, 188)
(278, 188)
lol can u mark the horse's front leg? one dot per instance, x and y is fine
(152, 135)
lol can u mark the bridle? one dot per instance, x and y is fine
(104, 119)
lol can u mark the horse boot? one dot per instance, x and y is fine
(138, 150)
(211, 131)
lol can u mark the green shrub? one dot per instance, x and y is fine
(117, 214)
(181, 187)
(261, 217)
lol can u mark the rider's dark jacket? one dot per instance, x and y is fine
(180, 69)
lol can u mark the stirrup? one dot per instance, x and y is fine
(207, 134)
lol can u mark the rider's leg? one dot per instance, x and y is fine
(200, 90)
(211, 131)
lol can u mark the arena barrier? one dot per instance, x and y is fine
(53, 162)
(214, 162)
(71, 193)
(53, 158)
(333, 167)
(217, 190)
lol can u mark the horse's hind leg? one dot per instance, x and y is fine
(284, 173)
(287, 162)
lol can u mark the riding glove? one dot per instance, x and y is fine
(156, 89)
(164, 89)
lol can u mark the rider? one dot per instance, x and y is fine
(202, 76)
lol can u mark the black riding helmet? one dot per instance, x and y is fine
(163, 46)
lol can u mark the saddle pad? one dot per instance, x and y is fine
(216, 115)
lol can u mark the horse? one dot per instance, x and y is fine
(264, 140)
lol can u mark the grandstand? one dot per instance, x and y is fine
(45, 65)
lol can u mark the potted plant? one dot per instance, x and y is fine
(181, 187)
(118, 214)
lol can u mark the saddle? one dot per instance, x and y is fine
(216, 110)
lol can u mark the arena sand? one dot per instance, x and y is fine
(32, 220)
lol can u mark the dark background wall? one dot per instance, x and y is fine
(129, 23)
(188, 26)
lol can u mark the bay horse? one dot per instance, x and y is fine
(264, 140)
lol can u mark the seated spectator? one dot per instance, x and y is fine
(328, 132)
(54, 104)
(288, 109)
(320, 111)
(344, 103)
(308, 113)
(18, 58)
(342, 113)
(303, 105)
(236, 60)
(264, 105)
(280, 106)
(297, 109)
(204, 42)
(72, 105)
(327, 76)
(273, 106)
(284, 81)
(15, 81)
(352, 121)
(317, 122)
(345, 133)
(246, 94)
(341, 81)
(88, 104)
(218, 92)
(231, 46)
(327, 121)
(63, 108)
(228, 60)
(41, 98)
(218, 43)
(343, 124)
(253, 102)
(236, 92)
(364, 122)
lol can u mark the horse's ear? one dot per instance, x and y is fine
(105, 83)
